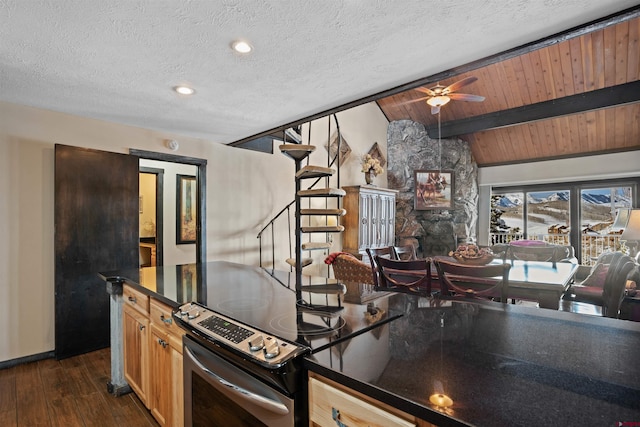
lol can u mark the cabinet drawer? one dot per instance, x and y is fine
(161, 316)
(328, 404)
(136, 299)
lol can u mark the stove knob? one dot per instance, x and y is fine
(271, 348)
(194, 314)
(185, 309)
(256, 343)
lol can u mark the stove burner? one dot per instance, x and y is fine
(316, 325)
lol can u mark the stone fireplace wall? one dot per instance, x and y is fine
(432, 232)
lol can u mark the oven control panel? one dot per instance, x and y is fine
(257, 344)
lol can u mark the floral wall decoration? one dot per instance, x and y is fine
(376, 153)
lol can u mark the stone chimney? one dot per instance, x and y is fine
(432, 232)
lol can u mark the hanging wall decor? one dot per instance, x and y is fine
(332, 148)
(376, 153)
(433, 189)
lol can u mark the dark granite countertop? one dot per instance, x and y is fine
(500, 364)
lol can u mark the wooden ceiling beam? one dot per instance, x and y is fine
(627, 93)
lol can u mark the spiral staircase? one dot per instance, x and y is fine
(308, 207)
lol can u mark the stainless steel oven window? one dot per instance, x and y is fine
(218, 393)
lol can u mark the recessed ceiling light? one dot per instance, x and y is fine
(184, 90)
(241, 46)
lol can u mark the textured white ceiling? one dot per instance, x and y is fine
(117, 60)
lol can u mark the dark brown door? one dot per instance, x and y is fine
(96, 230)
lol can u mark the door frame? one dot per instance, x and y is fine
(201, 186)
(159, 173)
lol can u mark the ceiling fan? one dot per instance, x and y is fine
(439, 95)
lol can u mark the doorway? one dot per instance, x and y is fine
(174, 250)
(151, 221)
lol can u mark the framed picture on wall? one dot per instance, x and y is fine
(186, 209)
(433, 189)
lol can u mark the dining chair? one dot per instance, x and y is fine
(473, 281)
(413, 276)
(405, 252)
(372, 253)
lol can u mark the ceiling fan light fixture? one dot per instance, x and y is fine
(438, 101)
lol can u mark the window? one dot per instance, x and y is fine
(580, 214)
(598, 211)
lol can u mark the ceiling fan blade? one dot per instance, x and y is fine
(466, 97)
(411, 101)
(457, 85)
(426, 90)
(435, 110)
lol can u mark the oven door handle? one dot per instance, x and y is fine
(224, 385)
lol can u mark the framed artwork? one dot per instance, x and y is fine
(376, 153)
(433, 189)
(332, 148)
(186, 209)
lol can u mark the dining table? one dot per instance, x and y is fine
(541, 281)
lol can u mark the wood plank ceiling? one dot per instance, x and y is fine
(569, 98)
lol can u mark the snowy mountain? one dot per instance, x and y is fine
(597, 198)
(562, 197)
(509, 201)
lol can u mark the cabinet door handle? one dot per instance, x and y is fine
(335, 414)
(168, 321)
(141, 327)
(162, 342)
(133, 299)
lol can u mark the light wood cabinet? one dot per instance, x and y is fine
(136, 351)
(152, 345)
(165, 364)
(331, 403)
(135, 322)
(370, 219)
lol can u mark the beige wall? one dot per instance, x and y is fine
(244, 190)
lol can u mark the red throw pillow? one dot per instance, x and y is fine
(597, 277)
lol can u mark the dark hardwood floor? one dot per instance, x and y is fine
(70, 392)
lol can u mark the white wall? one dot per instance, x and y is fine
(244, 190)
(606, 166)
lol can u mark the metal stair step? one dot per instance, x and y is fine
(330, 289)
(305, 261)
(311, 171)
(328, 212)
(297, 151)
(323, 229)
(322, 192)
(314, 246)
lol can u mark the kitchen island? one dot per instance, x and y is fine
(489, 364)
(499, 364)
